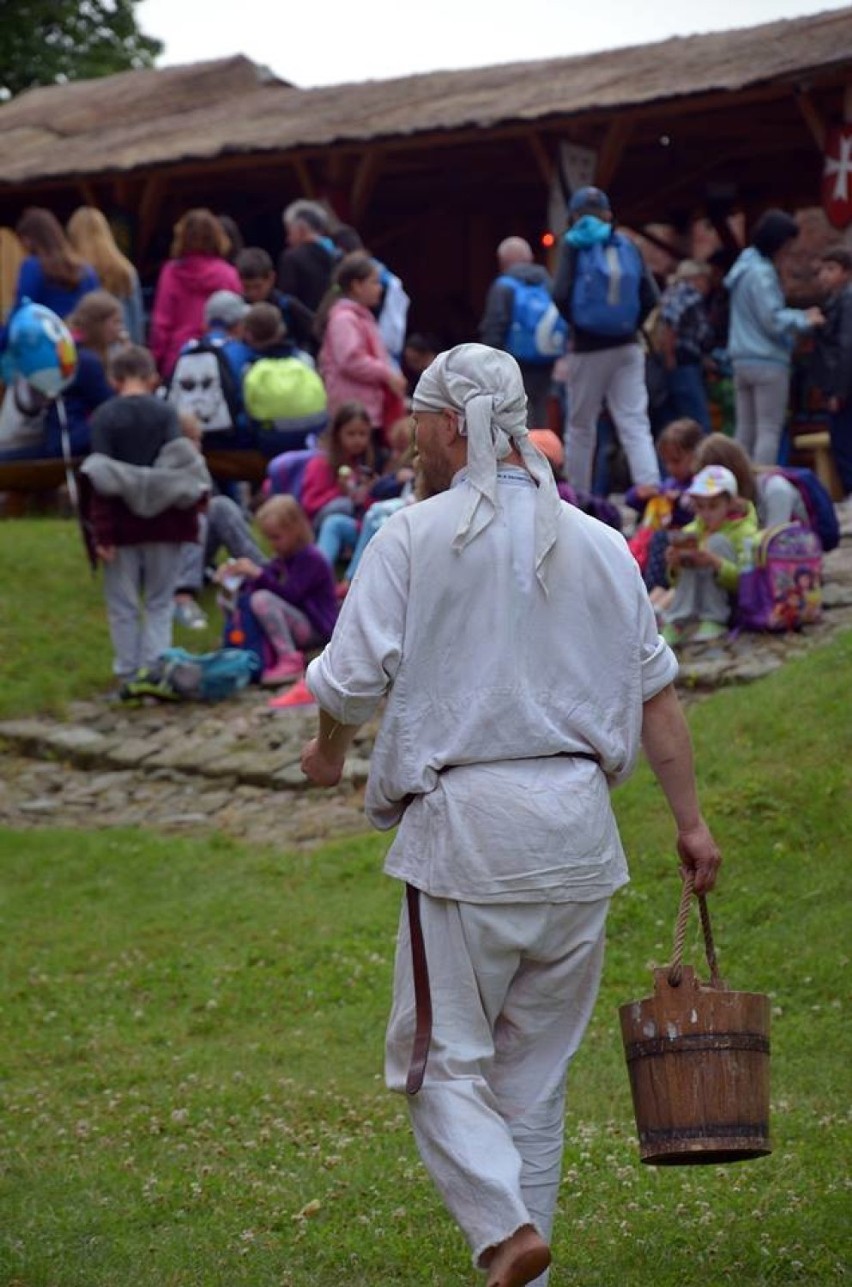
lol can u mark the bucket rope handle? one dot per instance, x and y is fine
(676, 967)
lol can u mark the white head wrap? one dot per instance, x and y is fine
(485, 386)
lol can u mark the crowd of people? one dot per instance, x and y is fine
(315, 357)
(519, 651)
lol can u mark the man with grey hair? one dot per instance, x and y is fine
(517, 651)
(307, 262)
(502, 325)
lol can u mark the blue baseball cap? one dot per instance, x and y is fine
(589, 200)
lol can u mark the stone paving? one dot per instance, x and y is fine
(234, 767)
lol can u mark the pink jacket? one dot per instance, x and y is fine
(353, 360)
(319, 485)
(183, 288)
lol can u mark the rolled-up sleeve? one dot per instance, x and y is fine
(359, 664)
(658, 662)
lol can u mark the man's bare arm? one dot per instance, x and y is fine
(324, 756)
(668, 746)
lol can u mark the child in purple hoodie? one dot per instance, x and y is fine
(293, 595)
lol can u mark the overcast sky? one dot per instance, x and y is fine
(333, 41)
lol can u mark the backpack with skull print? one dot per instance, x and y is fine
(204, 384)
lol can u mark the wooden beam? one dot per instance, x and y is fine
(121, 191)
(656, 200)
(812, 118)
(87, 192)
(148, 212)
(612, 149)
(366, 176)
(543, 160)
(303, 175)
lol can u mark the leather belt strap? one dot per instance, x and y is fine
(422, 996)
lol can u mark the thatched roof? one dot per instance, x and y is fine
(141, 119)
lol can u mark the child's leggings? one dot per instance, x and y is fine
(286, 628)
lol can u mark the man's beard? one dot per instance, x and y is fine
(430, 479)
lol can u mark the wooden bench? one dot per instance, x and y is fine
(813, 449)
(22, 478)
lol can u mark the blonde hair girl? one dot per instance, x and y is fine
(92, 238)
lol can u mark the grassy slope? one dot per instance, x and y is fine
(190, 1045)
(54, 642)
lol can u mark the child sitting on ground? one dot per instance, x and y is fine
(705, 558)
(292, 596)
(336, 483)
(662, 508)
(143, 486)
(393, 489)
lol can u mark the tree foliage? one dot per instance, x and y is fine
(49, 41)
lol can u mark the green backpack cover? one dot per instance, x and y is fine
(284, 393)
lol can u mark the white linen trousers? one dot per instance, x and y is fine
(513, 987)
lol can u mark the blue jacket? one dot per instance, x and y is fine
(33, 285)
(762, 327)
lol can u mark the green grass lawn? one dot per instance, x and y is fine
(54, 640)
(191, 1045)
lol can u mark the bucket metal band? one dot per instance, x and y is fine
(697, 1042)
(716, 1131)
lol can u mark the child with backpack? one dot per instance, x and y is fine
(605, 292)
(142, 488)
(663, 509)
(705, 558)
(780, 495)
(205, 382)
(336, 483)
(282, 391)
(292, 596)
(257, 274)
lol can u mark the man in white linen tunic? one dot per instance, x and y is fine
(518, 652)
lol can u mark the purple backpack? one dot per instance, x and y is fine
(783, 589)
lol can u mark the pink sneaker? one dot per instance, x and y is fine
(298, 695)
(289, 665)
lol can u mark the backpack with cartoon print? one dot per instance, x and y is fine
(204, 385)
(782, 589)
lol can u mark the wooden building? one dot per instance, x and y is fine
(435, 169)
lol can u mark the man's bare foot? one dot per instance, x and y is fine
(518, 1260)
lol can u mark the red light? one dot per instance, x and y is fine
(548, 239)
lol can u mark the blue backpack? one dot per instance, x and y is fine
(208, 676)
(538, 334)
(819, 505)
(605, 297)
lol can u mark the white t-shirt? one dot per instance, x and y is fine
(494, 688)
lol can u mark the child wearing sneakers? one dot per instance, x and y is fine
(292, 596)
(705, 558)
(141, 490)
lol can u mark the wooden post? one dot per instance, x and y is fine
(611, 150)
(87, 192)
(545, 165)
(366, 175)
(812, 118)
(149, 211)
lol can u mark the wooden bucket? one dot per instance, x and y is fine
(698, 1059)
